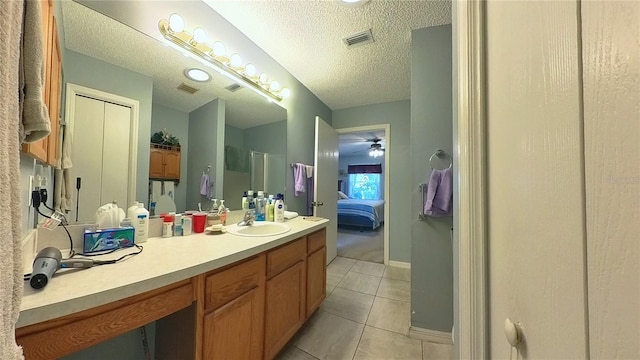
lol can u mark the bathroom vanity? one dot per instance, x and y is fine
(213, 296)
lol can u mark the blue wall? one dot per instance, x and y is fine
(397, 115)
(177, 124)
(431, 129)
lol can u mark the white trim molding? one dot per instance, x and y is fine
(399, 264)
(434, 336)
(471, 305)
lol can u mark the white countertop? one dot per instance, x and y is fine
(163, 261)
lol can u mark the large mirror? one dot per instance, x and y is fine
(211, 139)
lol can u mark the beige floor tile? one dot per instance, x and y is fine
(342, 263)
(382, 344)
(433, 351)
(369, 268)
(397, 273)
(330, 289)
(335, 275)
(392, 315)
(348, 304)
(360, 282)
(293, 353)
(395, 289)
(328, 336)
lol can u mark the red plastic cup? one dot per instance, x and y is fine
(199, 221)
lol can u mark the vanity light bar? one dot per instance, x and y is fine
(201, 51)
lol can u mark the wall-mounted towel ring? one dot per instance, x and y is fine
(441, 153)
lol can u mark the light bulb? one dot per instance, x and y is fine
(285, 92)
(197, 75)
(199, 35)
(264, 78)
(235, 60)
(176, 23)
(250, 69)
(275, 86)
(219, 49)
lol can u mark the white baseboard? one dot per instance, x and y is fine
(400, 264)
(440, 337)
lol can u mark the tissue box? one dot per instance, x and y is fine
(107, 239)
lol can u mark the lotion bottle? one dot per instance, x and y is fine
(279, 210)
(140, 222)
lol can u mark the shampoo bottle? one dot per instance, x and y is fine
(260, 206)
(270, 207)
(245, 201)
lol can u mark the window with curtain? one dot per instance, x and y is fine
(364, 181)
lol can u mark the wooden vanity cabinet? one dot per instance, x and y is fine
(234, 311)
(164, 162)
(285, 304)
(316, 270)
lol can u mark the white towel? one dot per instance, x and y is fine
(11, 282)
(169, 189)
(309, 170)
(290, 215)
(156, 190)
(62, 191)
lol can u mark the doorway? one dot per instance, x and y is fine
(363, 193)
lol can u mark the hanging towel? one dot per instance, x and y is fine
(439, 194)
(299, 178)
(205, 188)
(62, 190)
(309, 171)
(237, 159)
(34, 124)
(169, 189)
(11, 281)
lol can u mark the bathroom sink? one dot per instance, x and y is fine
(259, 228)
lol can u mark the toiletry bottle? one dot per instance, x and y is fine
(252, 204)
(167, 226)
(177, 225)
(270, 207)
(245, 201)
(278, 212)
(187, 224)
(140, 222)
(260, 206)
(222, 213)
(132, 209)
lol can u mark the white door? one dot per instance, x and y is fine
(100, 155)
(535, 181)
(326, 182)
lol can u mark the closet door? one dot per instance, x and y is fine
(611, 55)
(535, 193)
(115, 159)
(88, 124)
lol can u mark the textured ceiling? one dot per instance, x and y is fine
(359, 144)
(305, 37)
(93, 34)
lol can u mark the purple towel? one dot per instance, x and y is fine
(299, 178)
(439, 195)
(204, 185)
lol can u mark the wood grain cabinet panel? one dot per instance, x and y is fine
(316, 279)
(283, 257)
(164, 162)
(284, 308)
(156, 163)
(230, 283)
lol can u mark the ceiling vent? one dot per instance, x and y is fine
(234, 87)
(188, 89)
(358, 39)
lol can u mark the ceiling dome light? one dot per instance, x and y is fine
(219, 49)
(250, 70)
(275, 86)
(196, 74)
(285, 92)
(176, 23)
(352, 3)
(199, 35)
(235, 60)
(264, 78)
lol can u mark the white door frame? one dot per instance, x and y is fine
(387, 135)
(70, 106)
(470, 230)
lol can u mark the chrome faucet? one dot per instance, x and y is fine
(248, 219)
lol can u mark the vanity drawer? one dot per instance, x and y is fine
(234, 281)
(285, 256)
(316, 240)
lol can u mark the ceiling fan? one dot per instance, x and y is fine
(376, 149)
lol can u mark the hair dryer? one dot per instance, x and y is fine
(48, 261)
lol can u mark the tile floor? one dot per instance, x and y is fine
(365, 316)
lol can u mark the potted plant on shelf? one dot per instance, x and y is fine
(164, 139)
